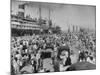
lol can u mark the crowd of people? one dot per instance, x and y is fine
(51, 52)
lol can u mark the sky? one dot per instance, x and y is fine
(63, 15)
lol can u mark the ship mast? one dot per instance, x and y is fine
(40, 15)
(49, 14)
(49, 17)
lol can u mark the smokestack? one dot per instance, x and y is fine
(21, 11)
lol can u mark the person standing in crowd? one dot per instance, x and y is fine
(65, 60)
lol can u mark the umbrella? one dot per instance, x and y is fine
(82, 66)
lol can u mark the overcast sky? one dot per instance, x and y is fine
(63, 15)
